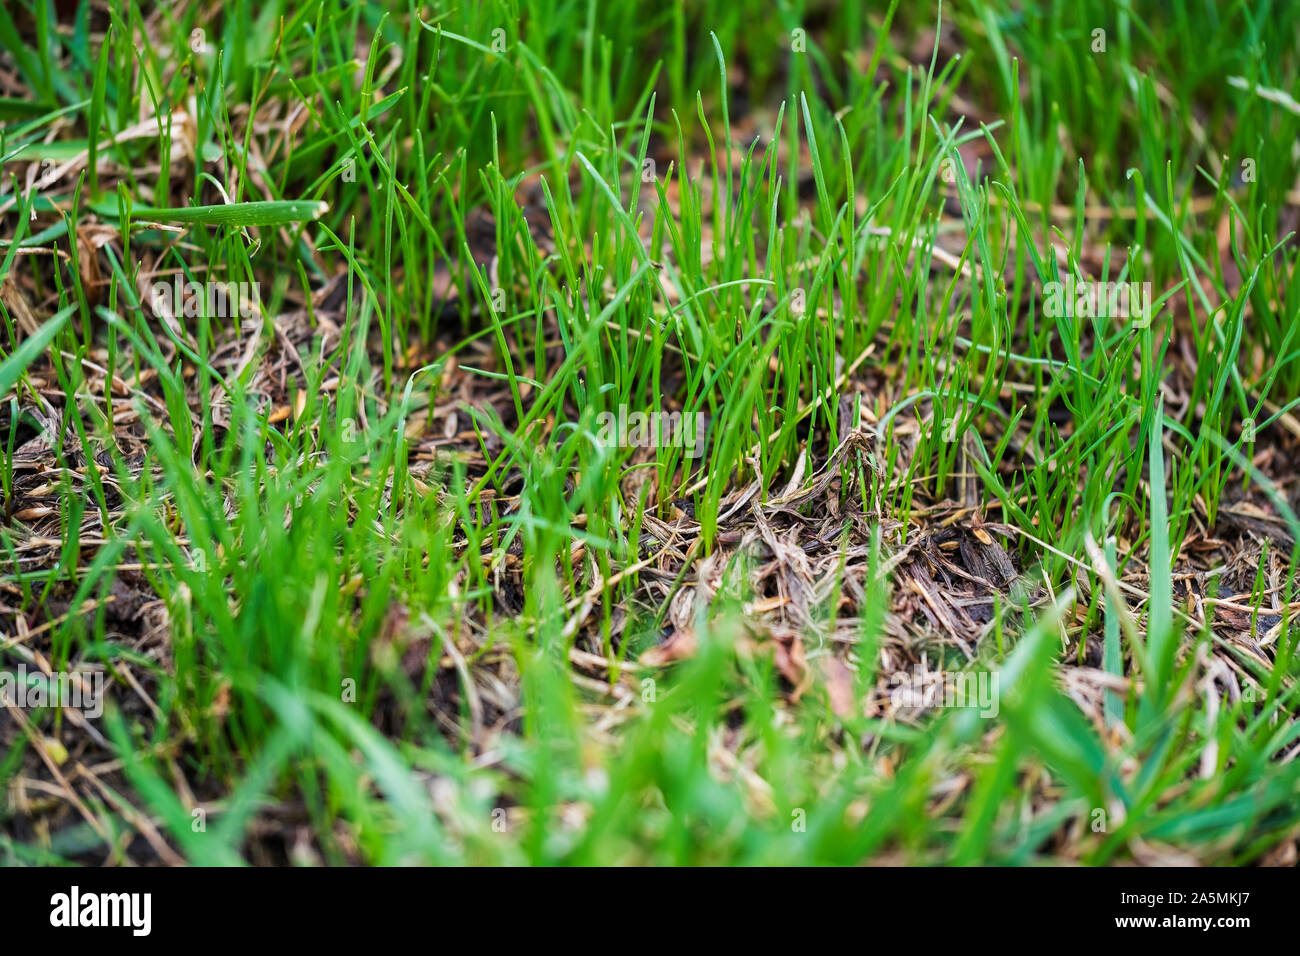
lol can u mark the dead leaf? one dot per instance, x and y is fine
(680, 645)
(839, 685)
(793, 664)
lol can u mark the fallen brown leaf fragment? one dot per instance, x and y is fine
(792, 664)
(681, 644)
(839, 685)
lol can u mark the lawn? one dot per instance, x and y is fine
(558, 432)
